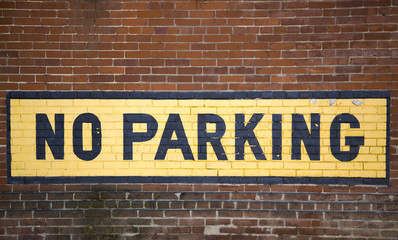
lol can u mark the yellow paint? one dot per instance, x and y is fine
(371, 161)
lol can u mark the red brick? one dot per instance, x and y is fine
(189, 87)
(258, 79)
(179, 79)
(363, 61)
(320, 70)
(221, 54)
(381, 86)
(110, 54)
(101, 78)
(387, 77)
(153, 78)
(190, 70)
(180, 214)
(4, 5)
(336, 78)
(134, 22)
(363, 78)
(34, 70)
(58, 87)
(215, 87)
(160, 22)
(203, 62)
(138, 70)
(292, 86)
(32, 86)
(242, 87)
(164, 70)
(255, 62)
(267, 22)
(99, 62)
(378, 69)
(214, 6)
(282, 62)
(9, 69)
(163, 87)
(111, 70)
(166, 54)
(151, 62)
(136, 87)
(85, 70)
(183, 55)
(73, 62)
(285, 231)
(75, 78)
(206, 79)
(293, 70)
(127, 78)
(231, 79)
(186, 22)
(321, 4)
(283, 78)
(59, 70)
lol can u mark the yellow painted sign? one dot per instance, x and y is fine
(253, 138)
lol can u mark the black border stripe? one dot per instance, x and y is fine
(200, 95)
(388, 135)
(195, 179)
(9, 178)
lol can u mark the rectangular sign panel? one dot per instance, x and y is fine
(227, 137)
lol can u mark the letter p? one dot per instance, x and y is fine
(129, 136)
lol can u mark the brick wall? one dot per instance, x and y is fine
(87, 45)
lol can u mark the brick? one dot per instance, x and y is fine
(101, 78)
(321, 5)
(190, 70)
(127, 78)
(189, 87)
(9, 70)
(25, 188)
(125, 62)
(286, 78)
(97, 214)
(164, 87)
(33, 196)
(111, 70)
(179, 62)
(285, 231)
(181, 214)
(376, 86)
(179, 79)
(46, 214)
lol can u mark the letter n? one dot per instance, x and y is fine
(300, 133)
(54, 138)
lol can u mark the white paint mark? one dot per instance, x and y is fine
(212, 230)
(216, 229)
(129, 234)
(357, 102)
(178, 195)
